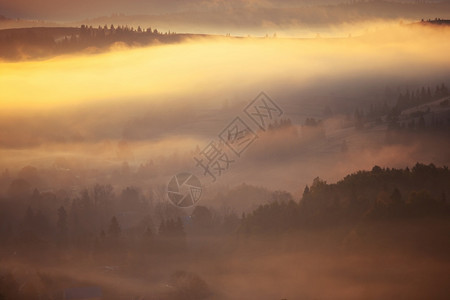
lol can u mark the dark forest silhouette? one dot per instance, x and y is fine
(106, 229)
(42, 42)
(379, 194)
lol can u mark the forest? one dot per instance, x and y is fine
(384, 208)
(44, 42)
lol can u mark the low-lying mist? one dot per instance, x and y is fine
(158, 104)
(341, 193)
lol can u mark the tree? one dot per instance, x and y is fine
(188, 286)
(129, 199)
(396, 197)
(172, 235)
(114, 228)
(19, 189)
(28, 222)
(306, 191)
(281, 197)
(201, 217)
(61, 225)
(62, 220)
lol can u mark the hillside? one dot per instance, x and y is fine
(45, 42)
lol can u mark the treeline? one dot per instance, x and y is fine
(427, 117)
(376, 195)
(102, 36)
(420, 96)
(99, 228)
(436, 21)
(40, 225)
(395, 116)
(97, 220)
(40, 42)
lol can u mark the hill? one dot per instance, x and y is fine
(43, 42)
(377, 195)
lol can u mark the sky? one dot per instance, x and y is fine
(247, 13)
(63, 9)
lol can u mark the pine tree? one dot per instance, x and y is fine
(306, 191)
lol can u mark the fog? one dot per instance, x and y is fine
(171, 98)
(89, 142)
(304, 266)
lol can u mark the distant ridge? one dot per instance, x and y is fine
(436, 21)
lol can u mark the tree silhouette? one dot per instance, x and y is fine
(201, 218)
(114, 228)
(62, 220)
(61, 225)
(396, 197)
